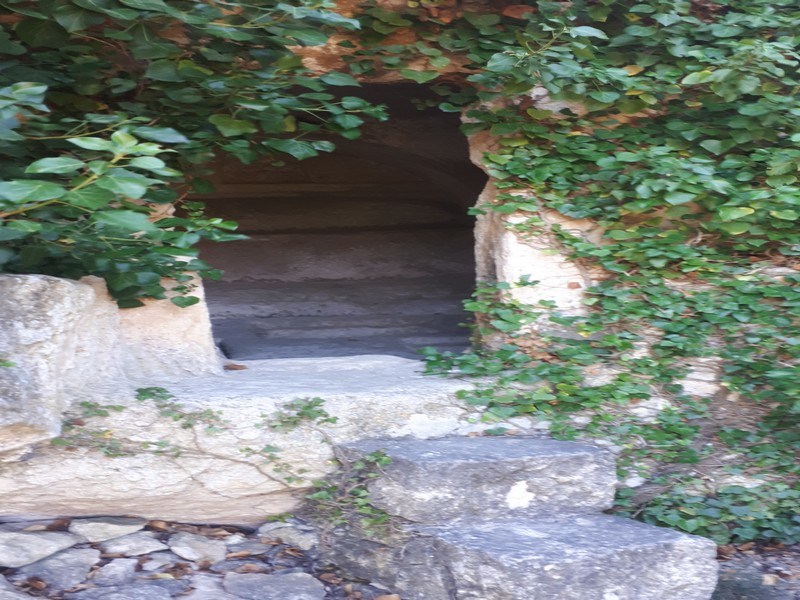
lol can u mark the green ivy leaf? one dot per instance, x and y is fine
(731, 213)
(679, 197)
(348, 121)
(419, 76)
(39, 33)
(61, 164)
(184, 301)
(339, 79)
(230, 127)
(605, 97)
(30, 190)
(73, 18)
(155, 5)
(109, 8)
(501, 63)
(717, 146)
(698, 77)
(130, 187)
(586, 31)
(299, 150)
(149, 163)
(126, 220)
(163, 70)
(735, 228)
(91, 197)
(785, 215)
(92, 143)
(165, 135)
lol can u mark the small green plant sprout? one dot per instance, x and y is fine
(76, 433)
(169, 408)
(95, 409)
(284, 471)
(298, 411)
(344, 499)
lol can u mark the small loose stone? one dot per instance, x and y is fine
(105, 528)
(18, 549)
(63, 570)
(134, 544)
(208, 587)
(159, 560)
(123, 592)
(197, 548)
(118, 572)
(304, 538)
(277, 586)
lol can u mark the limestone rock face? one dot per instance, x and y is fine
(162, 338)
(63, 340)
(511, 519)
(68, 342)
(587, 557)
(278, 586)
(201, 475)
(450, 478)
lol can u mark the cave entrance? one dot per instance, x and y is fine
(368, 250)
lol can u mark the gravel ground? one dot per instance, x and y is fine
(65, 559)
(133, 559)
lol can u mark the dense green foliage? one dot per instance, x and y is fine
(684, 149)
(89, 89)
(682, 146)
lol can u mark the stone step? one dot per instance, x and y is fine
(433, 481)
(579, 557)
(342, 326)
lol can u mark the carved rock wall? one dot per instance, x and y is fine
(67, 342)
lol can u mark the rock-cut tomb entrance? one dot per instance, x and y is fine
(368, 250)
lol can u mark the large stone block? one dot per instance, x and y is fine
(566, 558)
(220, 476)
(164, 339)
(432, 481)
(67, 342)
(62, 338)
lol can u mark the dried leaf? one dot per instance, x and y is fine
(252, 568)
(330, 578)
(234, 367)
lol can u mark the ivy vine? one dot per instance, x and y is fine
(672, 125)
(110, 112)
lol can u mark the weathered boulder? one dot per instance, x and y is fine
(431, 481)
(510, 519)
(62, 570)
(582, 557)
(277, 586)
(62, 339)
(68, 342)
(197, 548)
(225, 475)
(105, 528)
(20, 548)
